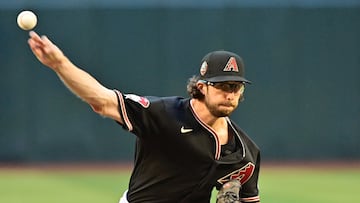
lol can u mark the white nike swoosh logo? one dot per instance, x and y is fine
(185, 130)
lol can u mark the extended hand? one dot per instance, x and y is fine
(45, 51)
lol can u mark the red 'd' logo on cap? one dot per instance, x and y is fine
(231, 65)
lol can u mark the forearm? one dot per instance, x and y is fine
(82, 84)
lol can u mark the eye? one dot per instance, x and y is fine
(230, 87)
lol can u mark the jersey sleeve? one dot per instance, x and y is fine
(139, 113)
(249, 191)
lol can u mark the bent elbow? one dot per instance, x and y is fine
(98, 108)
(106, 106)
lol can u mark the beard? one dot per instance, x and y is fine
(220, 110)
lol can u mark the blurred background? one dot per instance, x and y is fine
(303, 57)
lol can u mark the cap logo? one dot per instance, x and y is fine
(203, 68)
(231, 65)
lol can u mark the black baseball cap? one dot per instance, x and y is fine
(222, 66)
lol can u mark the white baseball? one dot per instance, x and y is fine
(26, 20)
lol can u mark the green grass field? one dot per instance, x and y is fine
(277, 185)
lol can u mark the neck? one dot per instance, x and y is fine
(217, 124)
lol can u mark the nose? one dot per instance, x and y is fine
(230, 95)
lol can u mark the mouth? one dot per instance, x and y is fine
(228, 104)
(229, 107)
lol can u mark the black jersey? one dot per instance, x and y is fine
(178, 158)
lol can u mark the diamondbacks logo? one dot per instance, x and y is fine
(141, 100)
(243, 174)
(231, 65)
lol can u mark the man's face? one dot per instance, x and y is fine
(222, 98)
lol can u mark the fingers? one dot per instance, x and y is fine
(33, 34)
(39, 41)
(35, 38)
(46, 40)
(49, 47)
(35, 43)
(40, 45)
(44, 50)
(36, 49)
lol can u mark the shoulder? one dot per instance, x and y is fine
(147, 101)
(173, 102)
(155, 105)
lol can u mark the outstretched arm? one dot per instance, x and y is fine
(102, 100)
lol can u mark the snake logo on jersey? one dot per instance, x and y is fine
(141, 100)
(243, 174)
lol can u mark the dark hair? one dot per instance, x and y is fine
(192, 89)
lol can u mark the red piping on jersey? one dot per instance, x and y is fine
(206, 126)
(123, 111)
(250, 199)
(237, 134)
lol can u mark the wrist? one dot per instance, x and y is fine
(60, 63)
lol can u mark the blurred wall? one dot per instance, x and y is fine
(304, 62)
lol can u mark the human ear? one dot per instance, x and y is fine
(200, 86)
